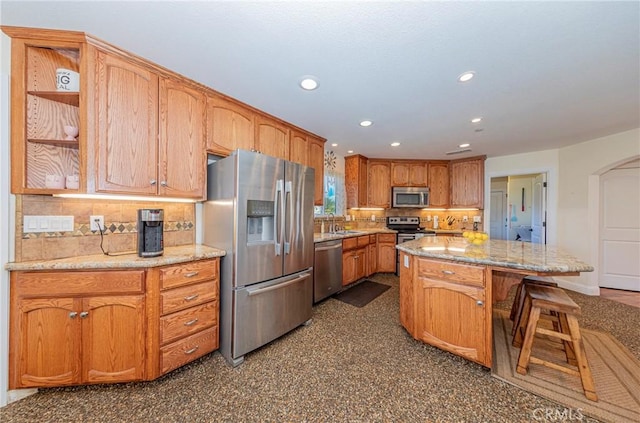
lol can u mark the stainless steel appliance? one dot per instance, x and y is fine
(327, 269)
(150, 232)
(408, 228)
(409, 197)
(260, 210)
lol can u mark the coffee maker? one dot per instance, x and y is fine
(150, 226)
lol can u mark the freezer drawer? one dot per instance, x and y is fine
(268, 310)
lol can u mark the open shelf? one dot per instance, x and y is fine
(58, 143)
(70, 98)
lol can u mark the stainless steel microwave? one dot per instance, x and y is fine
(409, 197)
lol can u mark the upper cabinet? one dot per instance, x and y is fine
(438, 184)
(356, 181)
(408, 173)
(379, 183)
(141, 129)
(42, 152)
(230, 126)
(467, 182)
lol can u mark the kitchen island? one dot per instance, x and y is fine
(448, 286)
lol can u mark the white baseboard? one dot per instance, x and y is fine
(578, 287)
(18, 394)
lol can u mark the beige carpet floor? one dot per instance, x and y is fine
(616, 374)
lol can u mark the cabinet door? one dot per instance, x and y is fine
(361, 263)
(379, 184)
(316, 161)
(272, 137)
(438, 185)
(299, 148)
(372, 259)
(229, 126)
(386, 258)
(399, 174)
(349, 267)
(451, 316)
(418, 174)
(113, 338)
(127, 121)
(355, 181)
(182, 149)
(467, 183)
(45, 343)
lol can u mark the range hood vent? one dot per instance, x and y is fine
(463, 150)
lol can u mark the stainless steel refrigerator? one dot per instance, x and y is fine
(259, 209)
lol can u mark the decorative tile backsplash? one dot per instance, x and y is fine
(120, 232)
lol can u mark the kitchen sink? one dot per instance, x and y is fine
(348, 232)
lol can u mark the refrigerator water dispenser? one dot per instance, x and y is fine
(260, 225)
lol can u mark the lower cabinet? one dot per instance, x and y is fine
(82, 327)
(387, 253)
(372, 255)
(69, 328)
(354, 259)
(449, 308)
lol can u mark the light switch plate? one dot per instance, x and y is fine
(476, 219)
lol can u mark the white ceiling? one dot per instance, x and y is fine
(548, 74)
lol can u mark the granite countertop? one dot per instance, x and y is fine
(509, 254)
(318, 237)
(172, 255)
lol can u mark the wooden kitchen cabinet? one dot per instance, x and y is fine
(356, 181)
(354, 259)
(272, 137)
(450, 310)
(387, 253)
(60, 323)
(39, 145)
(316, 161)
(230, 126)
(372, 255)
(408, 173)
(438, 184)
(184, 310)
(379, 183)
(467, 182)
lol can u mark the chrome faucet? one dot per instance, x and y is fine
(332, 225)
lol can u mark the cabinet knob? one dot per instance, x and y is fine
(191, 322)
(480, 303)
(191, 274)
(73, 314)
(448, 272)
(191, 297)
(192, 350)
(163, 183)
(84, 314)
(153, 182)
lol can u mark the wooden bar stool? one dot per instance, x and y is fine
(518, 301)
(544, 298)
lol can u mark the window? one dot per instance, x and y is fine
(333, 200)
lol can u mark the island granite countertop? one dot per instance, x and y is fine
(172, 255)
(499, 253)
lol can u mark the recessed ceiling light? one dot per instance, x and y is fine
(309, 83)
(334, 145)
(395, 144)
(366, 123)
(476, 120)
(464, 145)
(466, 76)
(349, 151)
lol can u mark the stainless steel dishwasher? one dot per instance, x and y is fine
(327, 269)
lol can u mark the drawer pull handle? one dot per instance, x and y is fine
(191, 322)
(480, 303)
(192, 350)
(191, 274)
(448, 272)
(73, 314)
(191, 297)
(84, 314)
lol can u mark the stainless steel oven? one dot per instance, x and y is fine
(408, 228)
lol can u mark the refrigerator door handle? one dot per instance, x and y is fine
(294, 279)
(277, 220)
(288, 217)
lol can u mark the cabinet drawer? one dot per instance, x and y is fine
(188, 349)
(186, 322)
(363, 241)
(78, 283)
(387, 238)
(187, 296)
(452, 272)
(349, 243)
(188, 273)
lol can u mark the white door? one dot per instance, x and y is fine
(620, 229)
(497, 218)
(539, 209)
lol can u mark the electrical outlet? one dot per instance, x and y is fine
(97, 223)
(465, 218)
(476, 219)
